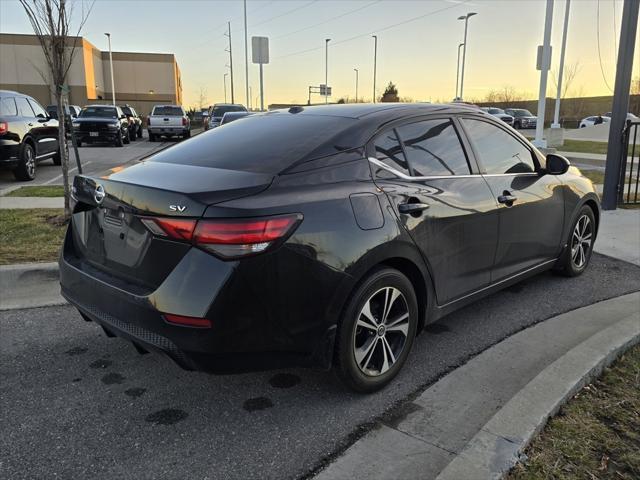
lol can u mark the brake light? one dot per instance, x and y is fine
(187, 321)
(227, 238)
(4, 128)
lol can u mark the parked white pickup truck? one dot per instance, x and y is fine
(169, 121)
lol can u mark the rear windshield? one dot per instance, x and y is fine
(168, 111)
(221, 110)
(259, 143)
(101, 112)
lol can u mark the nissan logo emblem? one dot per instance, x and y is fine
(99, 194)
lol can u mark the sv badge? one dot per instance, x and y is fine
(177, 208)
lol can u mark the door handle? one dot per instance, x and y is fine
(411, 208)
(507, 198)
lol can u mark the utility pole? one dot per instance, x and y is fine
(113, 89)
(230, 63)
(225, 88)
(556, 114)
(615, 168)
(544, 73)
(458, 71)
(246, 55)
(356, 70)
(326, 69)
(464, 50)
(375, 58)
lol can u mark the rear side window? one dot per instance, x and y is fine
(39, 111)
(168, 111)
(433, 148)
(499, 152)
(8, 107)
(24, 110)
(389, 151)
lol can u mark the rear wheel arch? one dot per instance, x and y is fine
(29, 140)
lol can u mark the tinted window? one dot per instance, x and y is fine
(100, 112)
(168, 111)
(127, 111)
(433, 148)
(39, 111)
(499, 152)
(8, 107)
(267, 143)
(24, 110)
(52, 110)
(389, 151)
(222, 109)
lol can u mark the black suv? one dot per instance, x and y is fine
(101, 123)
(135, 122)
(27, 135)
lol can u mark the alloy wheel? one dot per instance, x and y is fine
(381, 331)
(581, 241)
(30, 162)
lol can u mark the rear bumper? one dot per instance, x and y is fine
(103, 136)
(9, 152)
(168, 130)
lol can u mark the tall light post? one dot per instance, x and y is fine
(233, 100)
(545, 62)
(326, 69)
(113, 89)
(246, 55)
(556, 114)
(356, 70)
(458, 71)
(375, 58)
(225, 87)
(464, 50)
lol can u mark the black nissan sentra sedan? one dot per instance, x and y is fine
(321, 236)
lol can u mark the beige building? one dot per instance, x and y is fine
(141, 79)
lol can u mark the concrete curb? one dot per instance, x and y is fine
(29, 285)
(498, 446)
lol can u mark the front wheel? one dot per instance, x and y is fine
(118, 140)
(376, 332)
(579, 247)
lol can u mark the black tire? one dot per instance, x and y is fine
(26, 169)
(152, 137)
(139, 132)
(57, 158)
(132, 135)
(125, 137)
(575, 259)
(188, 134)
(78, 143)
(118, 141)
(372, 338)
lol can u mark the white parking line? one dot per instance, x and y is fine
(60, 176)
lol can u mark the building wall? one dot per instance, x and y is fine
(141, 79)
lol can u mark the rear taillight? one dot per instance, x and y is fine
(227, 238)
(187, 321)
(4, 128)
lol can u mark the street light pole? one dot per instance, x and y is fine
(464, 50)
(113, 89)
(326, 69)
(544, 72)
(246, 55)
(458, 71)
(356, 70)
(556, 115)
(230, 62)
(375, 58)
(225, 88)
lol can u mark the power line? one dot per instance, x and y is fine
(327, 20)
(300, 7)
(378, 30)
(599, 55)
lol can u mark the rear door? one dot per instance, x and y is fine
(441, 200)
(531, 203)
(47, 129)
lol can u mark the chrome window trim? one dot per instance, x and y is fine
(403, 176)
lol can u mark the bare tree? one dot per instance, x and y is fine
(506, 95)
(51, 22)
(203, 99)
(569, 74)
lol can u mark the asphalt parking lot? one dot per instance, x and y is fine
(76, 404)
(96, 160)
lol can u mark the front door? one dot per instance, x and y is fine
(446, 206)
(530, 202)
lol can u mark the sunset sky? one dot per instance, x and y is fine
(417, 43)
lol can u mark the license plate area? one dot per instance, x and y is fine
(93, 134)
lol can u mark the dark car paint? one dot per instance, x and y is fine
(86, 125)
(41, 133)
(281, 308)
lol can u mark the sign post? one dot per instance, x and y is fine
(260, 55)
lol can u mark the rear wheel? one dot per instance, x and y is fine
(152, 137)
(577, 254)
(376, 331)
(26, 169)
(118, 142)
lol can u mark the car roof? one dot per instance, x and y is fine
(100, 106)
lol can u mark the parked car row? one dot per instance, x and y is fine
(604, 118)
(218, 111)
(516, 117)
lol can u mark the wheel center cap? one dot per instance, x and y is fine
(381, 330)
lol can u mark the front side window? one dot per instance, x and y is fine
(433, 148)
(24, 110)
(8, 107)
(499, 152)
(39, 111)
(388, 150)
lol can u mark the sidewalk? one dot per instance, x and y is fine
(31, 202)
(474, 422)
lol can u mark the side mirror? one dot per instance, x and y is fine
(557, 164)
